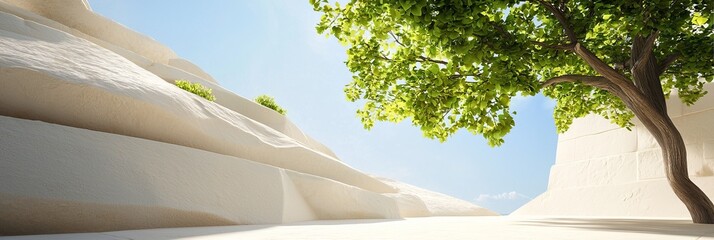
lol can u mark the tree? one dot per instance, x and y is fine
(456, 64)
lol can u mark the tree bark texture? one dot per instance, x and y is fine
(646, 74)
(645, 98)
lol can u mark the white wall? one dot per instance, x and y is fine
(75, 17)
(64, 179)
(615, 172)
(93, 137)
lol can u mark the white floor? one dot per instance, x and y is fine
(426, 228)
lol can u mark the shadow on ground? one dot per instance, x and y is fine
(662, 227)
(180, 233)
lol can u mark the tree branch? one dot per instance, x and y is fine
(623, 66)
(619, 85)
(446, 113)
(426, 59)
(333, 20)
(562, 19)
(419, 58)
(382, 56)
(567, 47)
(464, 75)
(601, 67)
(646, 50)
(595, 81)
(644, 71)
(501, 30)
(396, 39)
(667, 62)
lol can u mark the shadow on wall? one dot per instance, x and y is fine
(659, 227)
(706, 171)
(62, 216)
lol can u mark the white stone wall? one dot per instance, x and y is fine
(595, 152)
(596, 158)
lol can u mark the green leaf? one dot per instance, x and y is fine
(269, 102)
(698, 19)
(416, 11)
(406, 4)
(434, 68)
(492, 41)
(196, 88)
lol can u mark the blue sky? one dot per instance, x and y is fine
(271, 47)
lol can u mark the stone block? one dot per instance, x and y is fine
(704, 103)
(674, 106)
(645, 140)
(690, 133)
(565, 176)
(613, 142)
(566, 152)
(612, 170)
(695, 159)
(650, 165)
(697, 126)
(707, 169)
(708, 149)
(618, 169)
(646, 199)
(588, 125)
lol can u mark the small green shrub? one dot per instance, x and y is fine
(196, 88)
(269, 102)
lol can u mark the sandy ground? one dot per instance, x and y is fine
(426, 228)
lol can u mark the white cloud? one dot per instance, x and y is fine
(501, 196)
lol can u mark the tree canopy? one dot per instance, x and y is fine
(456, 64)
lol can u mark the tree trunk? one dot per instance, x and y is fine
(646, 99)
(643, 95)
(651, 109)
(674, 156)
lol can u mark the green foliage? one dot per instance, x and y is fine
(269, 102)
(454, 64)
(196, 88)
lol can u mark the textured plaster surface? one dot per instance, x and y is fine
(56, 77)
(95, 137)
(603, 170)
(36, 11)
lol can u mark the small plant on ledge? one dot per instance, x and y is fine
(269, 102)
(196, 88)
